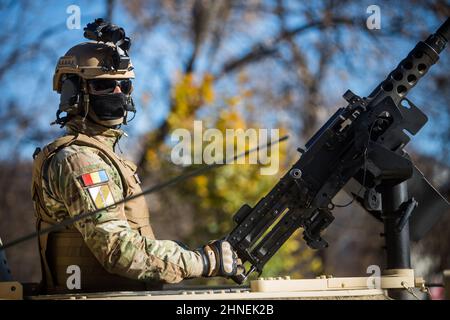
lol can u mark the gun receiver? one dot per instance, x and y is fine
(364, 141)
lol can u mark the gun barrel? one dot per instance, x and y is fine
(416, 64)
(444, 30)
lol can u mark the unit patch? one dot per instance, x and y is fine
(101, 196)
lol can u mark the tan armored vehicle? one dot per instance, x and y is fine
(323, 287)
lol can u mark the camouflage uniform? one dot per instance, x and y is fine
(80, 173)
(118, 247)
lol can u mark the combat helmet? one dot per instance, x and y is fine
(104, 58)
(91, 60)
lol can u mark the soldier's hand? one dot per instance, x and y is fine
(219, 259)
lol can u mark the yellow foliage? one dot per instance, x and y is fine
(217, 195)
(233, 101)
(201, 183)
(207, 89)
(152, 159)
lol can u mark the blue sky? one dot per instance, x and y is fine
(31, 83)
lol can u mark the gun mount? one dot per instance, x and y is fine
(360, 150)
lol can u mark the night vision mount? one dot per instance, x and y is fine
(103, 31)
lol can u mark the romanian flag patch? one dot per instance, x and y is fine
(101, 196)
(93, 178)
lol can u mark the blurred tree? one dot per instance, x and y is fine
(239, 64)
(20, 45)
(16, 216)
(295, 50)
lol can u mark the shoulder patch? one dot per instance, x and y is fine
(90, 179)
(101, 196)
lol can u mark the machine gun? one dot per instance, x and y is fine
(359, 150)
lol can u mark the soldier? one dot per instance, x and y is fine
(79, 172)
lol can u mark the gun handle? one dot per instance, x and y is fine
(239, 278)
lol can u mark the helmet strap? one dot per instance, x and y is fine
(60, 120)
(131, 108)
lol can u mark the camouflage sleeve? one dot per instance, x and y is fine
(120, 249)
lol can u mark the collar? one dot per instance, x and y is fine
(108, 136)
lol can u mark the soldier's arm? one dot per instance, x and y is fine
(120, 249)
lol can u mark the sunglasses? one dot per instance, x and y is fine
(102, 86)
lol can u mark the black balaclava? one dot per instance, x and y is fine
(111, 106)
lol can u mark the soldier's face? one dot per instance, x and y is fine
(117, 90)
